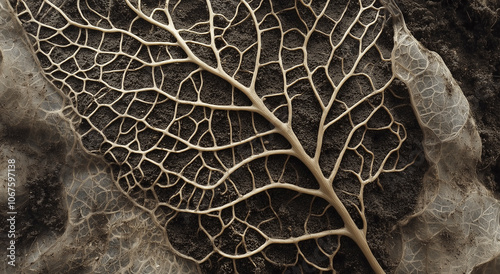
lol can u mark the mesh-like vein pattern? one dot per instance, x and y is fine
(456, 224)
(71, 218)
(247, 129)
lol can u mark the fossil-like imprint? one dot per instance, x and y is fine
(456, 226)
(236, 136)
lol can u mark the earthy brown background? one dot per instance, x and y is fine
(466, 33)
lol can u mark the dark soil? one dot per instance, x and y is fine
(465, 33)
(39, 153)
